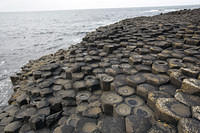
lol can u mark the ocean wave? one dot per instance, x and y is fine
(80, 33)
(59, 39)
(48, 32)
(154, 10)
(2, 62)
(161, 10)
(5, 91)
(3, 76)
(170, 10)
(53, 47)
(44, 33)
(39, 44)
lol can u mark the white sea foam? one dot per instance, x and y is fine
(154, 10)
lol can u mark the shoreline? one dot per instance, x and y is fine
(137, 75)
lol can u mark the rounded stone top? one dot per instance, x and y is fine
(171, 109)
(111, 98)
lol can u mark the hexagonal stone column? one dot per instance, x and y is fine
(196, 112)
(160, 127)
(109, 101)
(170, 110)
(113, 125)
(159, 67)
(190, 86)
(187, 99)
(188, 125)
(105, 82)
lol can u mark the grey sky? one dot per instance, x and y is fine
(34, 5)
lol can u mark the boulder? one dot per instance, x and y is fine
(159, 67)
(175, 63)
(37, 122)
(82, 96)
(92, 82)
(137, 124)
(66, 94)
(134, 101)
(170, 89)
(55, 104)
(125, 91)
(176, 78)
(156, 80)
(160, 127)
(143, 90)
(109, 101)
(77, 76)
(13, 127)
(64, 129)
(79, 85)
(105, 82)
(154, 96)
(122, 110)
(135, 59)
(113, 125)
(190, 72)
(57, 87)
(26, 128)
(66, 83)
(188, 125)
(86, 125)
(6, 121)
(52, 119)
(170, 110)
(46, 92)
(119, 81)
(135, 80)
(190, 86)
(92, 112)
(187, 99)
(196, 112)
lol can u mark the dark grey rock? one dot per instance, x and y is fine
(187, 99)
(170, 89)
(188, 125)
(109, 122)
(37, 122)
(190, 86)
(170, 110)
(55, 104)
(160, 127)
(64, 129)
(52, 119)
(13, 127)
(135, 80)
(137, 124)
(143, 90)
(86, 125)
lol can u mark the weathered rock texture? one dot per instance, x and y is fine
(135, 76)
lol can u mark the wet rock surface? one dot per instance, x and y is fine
(135, 76)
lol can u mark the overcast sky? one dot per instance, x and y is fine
(35, 5)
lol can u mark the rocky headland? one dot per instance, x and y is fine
(139, 75)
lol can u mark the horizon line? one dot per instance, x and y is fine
(52, 10)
